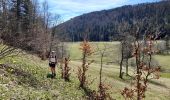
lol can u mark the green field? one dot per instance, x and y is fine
(164, 61)
(110, 56)
(25, 77)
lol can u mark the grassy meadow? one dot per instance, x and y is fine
(111, 55)
(24, 76)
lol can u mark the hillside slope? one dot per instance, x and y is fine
(103, 25)
(24, 77)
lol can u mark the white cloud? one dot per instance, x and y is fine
(71, 8)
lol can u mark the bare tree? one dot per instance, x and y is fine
(167, 42)
(5, 49)
(143, 69)
(102, 88)
(56, 19)
(26, 26)
(125, 46)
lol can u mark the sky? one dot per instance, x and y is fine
(68, 9)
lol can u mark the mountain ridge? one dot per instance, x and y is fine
(102, 25)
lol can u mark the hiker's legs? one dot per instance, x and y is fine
(53, 71)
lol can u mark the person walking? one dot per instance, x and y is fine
(52, 63)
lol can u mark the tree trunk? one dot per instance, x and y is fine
(121, 62)
(83, 70)
(18, 17)
(127, 66)
(138, 69)
(101, 67)
(167, 44)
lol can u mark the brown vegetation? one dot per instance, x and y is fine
(86, 51)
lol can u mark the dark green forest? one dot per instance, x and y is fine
(104, 25)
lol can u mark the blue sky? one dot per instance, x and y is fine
(70, 8)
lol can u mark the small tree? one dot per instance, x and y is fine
(86, 51)
(66, 69)
(144, 70)
(102, 93)
(121, 61)
(125, 46)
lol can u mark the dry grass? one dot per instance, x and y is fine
(59, 89)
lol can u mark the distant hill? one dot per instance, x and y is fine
(102, 25)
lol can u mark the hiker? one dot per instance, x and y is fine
(52, 62)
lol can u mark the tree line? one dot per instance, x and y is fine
(103, 25)
(26, 24)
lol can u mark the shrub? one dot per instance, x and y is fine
(86, 51)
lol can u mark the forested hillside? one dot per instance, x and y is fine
(26, 24)
(104, 25)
